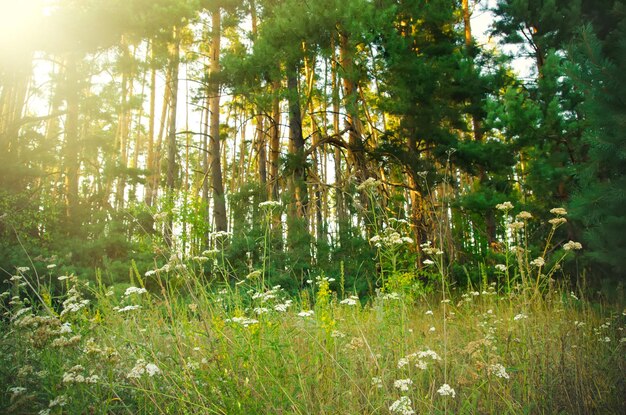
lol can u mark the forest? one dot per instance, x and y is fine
(249, 192)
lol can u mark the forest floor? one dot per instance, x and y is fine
(249, 349)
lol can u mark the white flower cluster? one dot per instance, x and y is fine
(520, 316)
(572, 246)
(499, 371)
(370, 183)
(504, 206)
(306, 313)
(244, 321)
(402, 406)
(141, 368)
(75, 375)
(73, 302)
(351, 301)
(127, 308)
(270, 204)
(134, 290)
(403, 384)
(388, 238)
(446, 390)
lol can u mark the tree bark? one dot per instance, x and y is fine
(217, 183)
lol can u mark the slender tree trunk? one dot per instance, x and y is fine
(217, 183)
(151, 160)
(172, 170)
(72, 144)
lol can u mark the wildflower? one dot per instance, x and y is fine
(391, 296)
(402, 406)
(403, 384)
(420, 364)
(428, 353)
(307, 313)
(127, 308)
(403, 362)
(446, 390)
(516, 226)
(16, 278)
(501, 267)
(141, 368)
(572, 246)
(368, 184)
(134, 290)
(429, 313)
(60, 400)
(524, 215)
(558, 211)
(351, 301)
(504, 206)
(244, 321)
(160, 216)
(428, 262)
(520, 316)
(44, 412)
(17, 390)
(407, 240)
(283, 307)
(50, 266)
(270, 204)
(499, 371)
(606, 339)
(337, 334)
(579, 323)
(23, 269)
(378, 382)
(261, 310)
(571, 294)
(557, 221)
(431, 329)
(538, 262)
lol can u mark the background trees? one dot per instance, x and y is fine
(115, 113)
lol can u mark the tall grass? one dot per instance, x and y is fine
(241, 350)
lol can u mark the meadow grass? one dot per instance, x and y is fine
(194, 348)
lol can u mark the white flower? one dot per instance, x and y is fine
(501, 267)
(152, 369)
(538, 262)
(17, 390)
(504, 206)
(60, 400)
(378, 382)
(446, 390)
(50, 266)
(524, 215)
(516, 225)
(127, 308)
(428, 262)
(403, 362)
(403, 384)
(352, 300)
(134, 290)
(520, 316)
(429, 313)
(261, 310)
(421, 365)
(307, 313)
(572, 246)
(337, 334)
(370, 183)
(270, 204)
(402, 406)
(557, 221)
(499, 371)
(558, 211)
(23, 269)
(431, 329)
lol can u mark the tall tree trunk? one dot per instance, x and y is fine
(72, 143)
(171, 138)
(150, 163)
(217, 183)
(490, 220)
